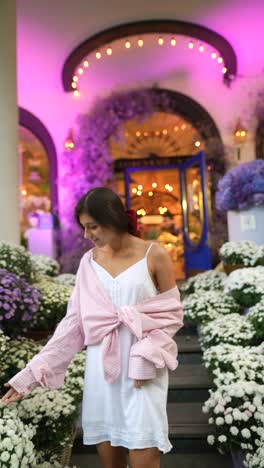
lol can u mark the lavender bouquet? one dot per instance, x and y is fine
(18, 303)
(242, 187)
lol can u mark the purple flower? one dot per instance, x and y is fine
(17, 304)
(242, 187)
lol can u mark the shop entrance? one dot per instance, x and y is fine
(172, 206)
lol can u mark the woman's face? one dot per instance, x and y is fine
(98, 234)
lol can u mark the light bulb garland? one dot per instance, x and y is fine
(191, 45)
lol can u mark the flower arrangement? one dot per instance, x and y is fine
(74, 378)
(17, 355)
(67, 279)
(208, 305)
(228, 363)
(207, 281)
(19, 303)
(242, 187)
(53, 305)
(44, 265)
(256, 460)
(246, 285)
(17, 260)
(233, 329)
(239, 252)
(256, 317)
(237, 411)
(52, 412)
(4, 341)
(259, 256)
(16, 446)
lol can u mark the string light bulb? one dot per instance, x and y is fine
(224, 70)
(150, 194)
(201, 48)
(197, 143)
(76, 93)
(160, 40)
(213, 55)
(134, 190)
(127, 44)
(154, 185)
(140, 43)
(138, 133)
(109, 50)
(98, 55)
(86, 63)
(74, 85)
(75, 78)
(80, 70)
(140, 187)
(220, 60)
(191, 45)
(173, 42)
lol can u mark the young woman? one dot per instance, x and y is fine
(128, 355)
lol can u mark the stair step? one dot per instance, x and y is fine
(187, 420)
(189, 376)
(188, 343)
(197, 460)
(187, 330)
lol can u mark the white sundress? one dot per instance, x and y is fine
(120, 413)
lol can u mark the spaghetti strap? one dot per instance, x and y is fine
(149, 247)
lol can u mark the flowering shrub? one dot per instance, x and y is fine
(17, 260)
(18, 354)
(256, 460)
(19, 303)
(233, 329)
(259, 256)
(201, 308)
(67, 279)
(210, 280)
(53, 414)
(256, 317)
(74, 378)
(246, 285)
(45, 265)
(16, 446)
(242, 187)
(4, 341)
(239, 252)
(53, 305)
(227, 363)
(237, 411)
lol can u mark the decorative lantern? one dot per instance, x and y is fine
(240, 136)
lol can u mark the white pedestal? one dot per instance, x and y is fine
(246, 225)
(41, 242)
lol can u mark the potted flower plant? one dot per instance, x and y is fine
(207, 281)
(238, 254)
(241, 194)
(236, 411)
(19, 302)
(208, 305)
(256, 317)
(232, 328)
(246, 285)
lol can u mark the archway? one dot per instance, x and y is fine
(38, 186)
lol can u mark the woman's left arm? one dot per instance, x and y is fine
(161, 268)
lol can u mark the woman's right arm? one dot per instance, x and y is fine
(48, 367)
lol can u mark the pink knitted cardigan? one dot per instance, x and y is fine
(91, 318)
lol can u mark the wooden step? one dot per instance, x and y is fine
(189, 376)
(186, 420)
(171, 460)
(188, 343)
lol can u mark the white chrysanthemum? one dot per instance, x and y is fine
(207, 281)
(239, 253)
(232, 329)
(246, 285)
(202, 307)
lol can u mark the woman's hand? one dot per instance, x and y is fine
(139, 383)
(11, 396)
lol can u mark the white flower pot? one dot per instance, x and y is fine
(246, 225)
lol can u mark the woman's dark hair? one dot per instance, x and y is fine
(106, 208)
